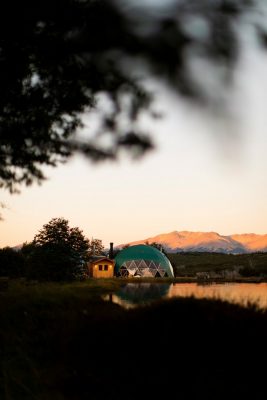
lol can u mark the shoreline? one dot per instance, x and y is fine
(187, 279)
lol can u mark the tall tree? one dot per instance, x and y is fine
(58, 252)
(96, 247)
(157, 246)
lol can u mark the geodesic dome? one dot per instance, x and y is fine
(144, 261)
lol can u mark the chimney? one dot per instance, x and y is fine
(93, 246)
(111, 250)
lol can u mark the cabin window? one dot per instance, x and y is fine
(100, 267)
(105, 267)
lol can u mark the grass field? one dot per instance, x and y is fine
(186, 264)
(62, 341)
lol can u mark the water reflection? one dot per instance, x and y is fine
(241, 293)
(136, 294)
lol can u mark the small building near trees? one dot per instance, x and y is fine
(101, 267)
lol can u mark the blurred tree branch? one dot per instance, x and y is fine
(56, 56)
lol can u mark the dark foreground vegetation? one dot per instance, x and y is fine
(64, 342)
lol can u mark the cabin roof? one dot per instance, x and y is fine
(95, 259)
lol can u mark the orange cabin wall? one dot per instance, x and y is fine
(94, 271)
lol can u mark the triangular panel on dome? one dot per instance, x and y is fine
(147, 273)
(131, 267)
(161, 271)
(123, 271)
(142, 265)
(127, 264)
(153, 271)
(152, 264)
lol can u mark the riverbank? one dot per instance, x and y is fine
(241, 279)
(93, 287)
(195, 279)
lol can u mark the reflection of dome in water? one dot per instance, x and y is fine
(142, 292)
(142, 260)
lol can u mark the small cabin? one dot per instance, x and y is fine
(101, 267)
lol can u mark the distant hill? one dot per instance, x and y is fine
(175, 241)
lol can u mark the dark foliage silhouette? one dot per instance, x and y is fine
(11, 263)
(57, 252)
(56, 56)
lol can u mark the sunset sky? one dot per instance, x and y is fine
(208, 172)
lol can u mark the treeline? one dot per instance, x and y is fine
(57, 253)
(188, 264)
(60, 253)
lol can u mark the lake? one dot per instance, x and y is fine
(136, 294)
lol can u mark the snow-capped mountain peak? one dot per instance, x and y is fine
(208, 241)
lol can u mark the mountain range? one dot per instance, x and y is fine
(183, 241)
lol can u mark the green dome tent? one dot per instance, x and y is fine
(144, 261)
